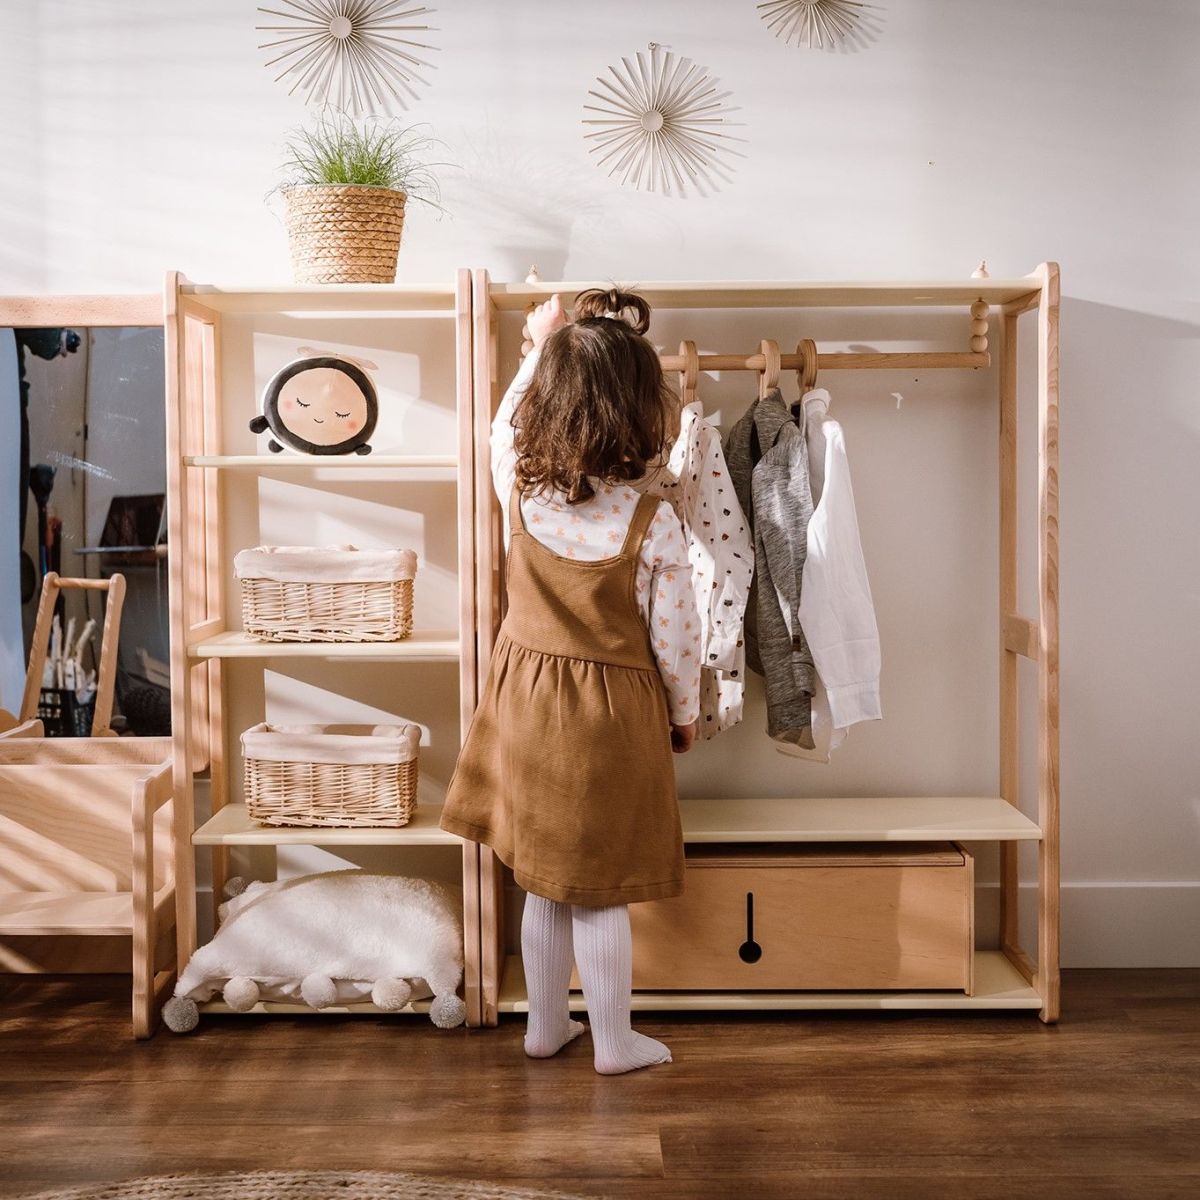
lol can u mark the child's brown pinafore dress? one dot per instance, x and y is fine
(566, 772)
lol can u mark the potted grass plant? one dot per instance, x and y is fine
(345, 186)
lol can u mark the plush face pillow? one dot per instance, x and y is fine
(322, 405)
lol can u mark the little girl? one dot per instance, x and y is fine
(566, 772)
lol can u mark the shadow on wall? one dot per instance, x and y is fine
(521, 207)
(1130, 566)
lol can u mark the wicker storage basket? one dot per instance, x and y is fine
(343, 233)
(331, 776)
(326, 593)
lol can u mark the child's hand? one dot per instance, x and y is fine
(545, 319)
(683, 737)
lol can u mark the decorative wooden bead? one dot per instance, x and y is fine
(979, 327)
(978, 345)
(980, 308)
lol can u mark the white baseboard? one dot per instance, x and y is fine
(1110, 924)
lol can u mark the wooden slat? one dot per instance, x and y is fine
(468, 676)
(997, 985)
(423, 645)
(84, 752)
(325, 298)
(489, 551)
(1009, 697)
(179, 618)
(1022, 961)
(853, 819)
(356, 464)
(232, 826)
(900, 360)
(1020, 636)
(1023, 304)
(1048, 699)
(782, 293)
(133, 309)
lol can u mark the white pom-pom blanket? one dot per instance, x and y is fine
(333, 938)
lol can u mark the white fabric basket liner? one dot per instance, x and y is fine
(368, 745)
(324, 564)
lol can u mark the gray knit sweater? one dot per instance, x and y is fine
(768, 466)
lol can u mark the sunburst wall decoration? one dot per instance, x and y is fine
(358, 55)
(824, 24)
(660, 123)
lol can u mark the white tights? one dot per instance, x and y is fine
(600, 942)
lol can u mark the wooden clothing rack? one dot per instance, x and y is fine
(1008, 977)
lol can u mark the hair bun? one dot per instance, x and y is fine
(598, 303)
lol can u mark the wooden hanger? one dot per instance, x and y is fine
(689, 376)
(769, 377)
(806, 373)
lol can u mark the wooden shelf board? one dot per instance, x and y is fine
(324, 298)
(321, 462)
(424, 645)
(785, 293)
(231, 826)
(280, 1008)
(856, 819)
(49, 914)
(998, 985)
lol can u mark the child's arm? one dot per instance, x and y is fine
(542, 322)
(674, 623)
(504, 457)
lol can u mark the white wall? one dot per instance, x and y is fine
(1016, 132)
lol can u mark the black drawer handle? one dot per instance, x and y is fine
(749, 951)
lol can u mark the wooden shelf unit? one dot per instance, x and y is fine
(203, 618)
(1006, 978)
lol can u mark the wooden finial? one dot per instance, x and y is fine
(533, 276)
(979, 326)
(981, 271)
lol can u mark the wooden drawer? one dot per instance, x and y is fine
(825, 918)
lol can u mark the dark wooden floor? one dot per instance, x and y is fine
(1107, 1104)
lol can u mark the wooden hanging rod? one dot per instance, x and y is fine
(900, 360)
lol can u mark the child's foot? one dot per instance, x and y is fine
(544, 1043)
(631, 1052)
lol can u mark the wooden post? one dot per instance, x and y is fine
(1009, 761)
(489, 566)
(177, 559)
(215, 597)
(1048, 713)
(468, 662)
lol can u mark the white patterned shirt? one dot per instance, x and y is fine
(695, 479)
(596, 529)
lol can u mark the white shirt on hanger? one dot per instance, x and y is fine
(695, 480)
(836, 610)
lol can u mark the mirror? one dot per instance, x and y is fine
(82, 490)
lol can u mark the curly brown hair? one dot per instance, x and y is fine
(597, 406)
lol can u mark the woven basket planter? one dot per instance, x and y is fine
(343, 233)
(326, 593)
(331, 776)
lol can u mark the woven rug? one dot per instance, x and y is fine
(297, 1185)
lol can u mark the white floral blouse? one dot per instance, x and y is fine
(695, 480)
(596, 529)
